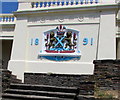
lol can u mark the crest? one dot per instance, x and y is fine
(60, 44)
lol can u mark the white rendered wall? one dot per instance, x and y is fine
(107, 36)
(18, 56)
(91, 24)
(83, 66)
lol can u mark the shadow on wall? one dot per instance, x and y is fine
(6, 52)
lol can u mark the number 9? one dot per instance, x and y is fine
(85, 41)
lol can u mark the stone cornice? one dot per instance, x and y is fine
(6, 15)
(67, 9)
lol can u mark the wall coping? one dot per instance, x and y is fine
(54, 74)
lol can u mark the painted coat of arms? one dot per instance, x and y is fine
(61, 44)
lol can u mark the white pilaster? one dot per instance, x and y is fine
(107, 38)
(18, 56)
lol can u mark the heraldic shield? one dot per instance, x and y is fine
(60, 44)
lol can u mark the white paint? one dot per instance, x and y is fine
(18, 68)
(85, 31)
(26, 4)
(18, 51)
(58, 67)
(96, 24)
(60, 54)
(107, 37)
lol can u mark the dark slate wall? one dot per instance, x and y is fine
(107, 74)
(106, 77)
(84, 83)
(5, 78)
